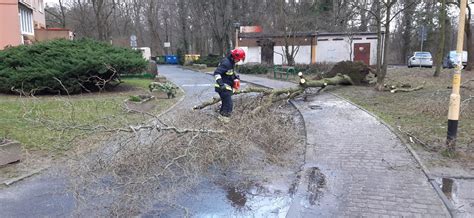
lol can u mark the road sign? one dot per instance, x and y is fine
(167, 44)
(133, 41)
(423, 33)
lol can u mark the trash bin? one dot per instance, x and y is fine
(190, 58)
(171, 59)
(161, 59)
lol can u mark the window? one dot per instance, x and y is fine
(423, 54)
(26, 20)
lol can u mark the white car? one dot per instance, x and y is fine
(421, 59)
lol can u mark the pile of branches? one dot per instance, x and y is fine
(154, 164)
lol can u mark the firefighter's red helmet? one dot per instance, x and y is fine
(238, 54)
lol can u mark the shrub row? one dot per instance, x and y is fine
(209, 60)
(78, 65)
(314, 69)
(254, 69)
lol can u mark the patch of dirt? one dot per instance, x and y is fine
(237, 197)
(316, 184)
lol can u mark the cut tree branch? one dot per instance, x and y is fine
(286, 93)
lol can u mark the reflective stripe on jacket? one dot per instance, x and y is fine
(225, 71)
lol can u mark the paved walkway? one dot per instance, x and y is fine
(366, 169)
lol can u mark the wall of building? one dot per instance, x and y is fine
(39, 18)
(338, 48)
(9, 24)
(28, 3)
(49, 34)
(329, 48)
(252, 54)
(303, 56)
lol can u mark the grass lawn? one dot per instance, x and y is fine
(421, 113)
(55, 123)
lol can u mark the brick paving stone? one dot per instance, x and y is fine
(364, 163)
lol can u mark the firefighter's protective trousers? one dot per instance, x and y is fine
(225, 75)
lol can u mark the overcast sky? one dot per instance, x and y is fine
(51, 2)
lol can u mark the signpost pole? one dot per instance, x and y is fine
(455, 98)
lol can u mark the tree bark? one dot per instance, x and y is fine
(469, 44)
(407, 26)
(441, 44)
(63, 14)
(381, 76)
(183, 21)
(288, 93)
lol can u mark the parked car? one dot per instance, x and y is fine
(450, 59)
(421, 59)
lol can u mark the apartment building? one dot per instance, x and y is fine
(18, 21)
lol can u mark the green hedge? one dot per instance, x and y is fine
(210, 60)
(79, 65)
(254, 69)
(320, 68)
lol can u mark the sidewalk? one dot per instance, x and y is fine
(361, 167)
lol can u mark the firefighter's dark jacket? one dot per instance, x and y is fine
(225, 75)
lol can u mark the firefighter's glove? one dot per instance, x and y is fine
(219, 81)
(227, 87)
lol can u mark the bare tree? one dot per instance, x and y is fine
(103, 9)
(58, 14)
(442, 33)
(383, 12)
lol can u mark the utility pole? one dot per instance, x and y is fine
(455, 98)
(423, 37)
(237, 27)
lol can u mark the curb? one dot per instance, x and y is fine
(11, 181)
(447, 203)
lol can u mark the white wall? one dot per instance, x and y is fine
(252, 54)
(302, 57)
(340, 50)
(146, 52)
(332, 51)
(279, 55)
(326, 51)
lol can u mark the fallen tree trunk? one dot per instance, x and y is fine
(275, 95)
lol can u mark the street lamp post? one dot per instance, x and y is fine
(455, 98)
(237, 26)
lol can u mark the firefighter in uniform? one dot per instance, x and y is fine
(227, 81)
